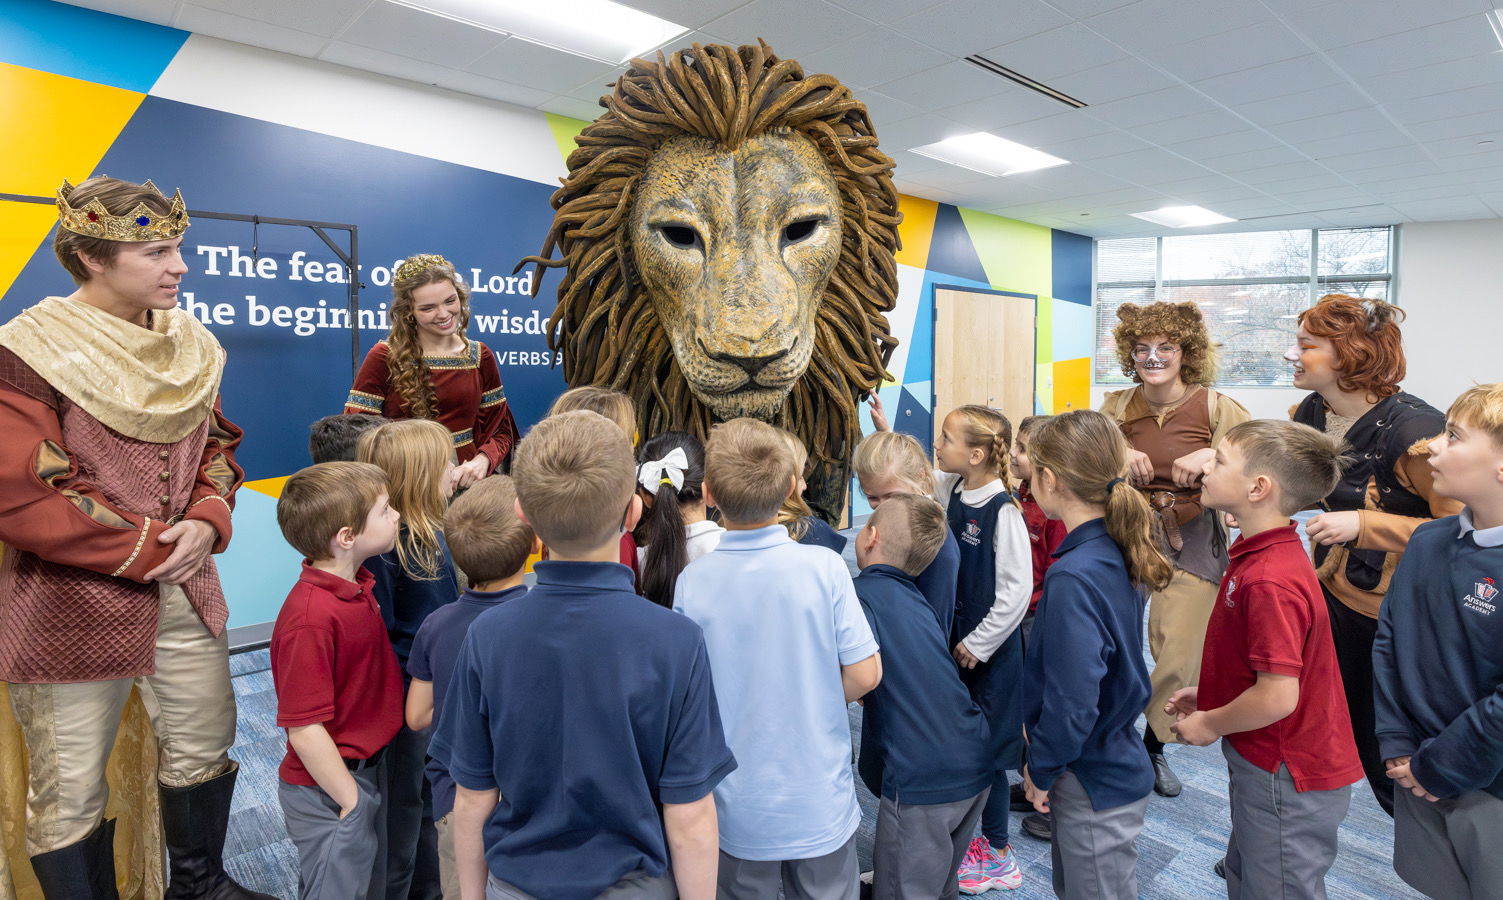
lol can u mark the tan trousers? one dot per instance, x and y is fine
(1177, 618)
(70, 729)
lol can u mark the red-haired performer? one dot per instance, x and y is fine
(117, 473)
(1350, 353)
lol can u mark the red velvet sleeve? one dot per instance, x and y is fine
(47, 509)
(372, 383)
(495, 428)
(218, 477)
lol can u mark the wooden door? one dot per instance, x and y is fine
(984, 352)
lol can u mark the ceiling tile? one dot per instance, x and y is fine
(1200, 125)
(873, 57)
(1098, 147)
(1065, 126)
(815, 26)
(1144, 109)
(1233, 51)
(418, 35)
(1333, 24)
(1457, 208)
(1250, 160)
(918, 131)
(1015, 104)
(1352, 121)
(1272, 81)
(1292, 107)
(1150, 166)
(1448, 105)
(1205, 149)
(1417, 47)
(963, 27)
(885, 110)
(1361, 160)
(688, 13)
(1082, 9)
(945, 86)
(533, 65)
(1061, 51)
(882, 12)
(1113, 81)
(157, 12)
(1447, 76)
(1153, 24)
(1485, 124)
(216, 23)
(1377, 139)
(326, 18)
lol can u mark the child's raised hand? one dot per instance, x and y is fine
(879, 415)
(1194, 729)
(1183, 702)
(963, 656)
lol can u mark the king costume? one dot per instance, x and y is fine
(113, 434)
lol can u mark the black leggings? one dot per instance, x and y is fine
(1353, 634)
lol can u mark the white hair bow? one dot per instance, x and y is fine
(670, 468)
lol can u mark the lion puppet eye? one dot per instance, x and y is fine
(680, 235)
(797, 231)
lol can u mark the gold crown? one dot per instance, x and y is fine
(140, 224)
(422, 262)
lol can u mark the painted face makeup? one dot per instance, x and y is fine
(1157, 359)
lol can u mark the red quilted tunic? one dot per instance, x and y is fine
(81, 508)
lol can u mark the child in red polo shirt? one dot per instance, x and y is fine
(1269, 681)
(339, 691)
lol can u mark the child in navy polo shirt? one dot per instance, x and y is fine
(490, 545)
(1085, 678)
(339, 691)
(790, 648)
(933, 739)
(578, 710)
(1269, 682)
(1438, 668)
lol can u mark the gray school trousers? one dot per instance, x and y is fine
(1449, 848)
(919, 847)
(635, 886)
(1093, 853)
(834, 876)
(334, 855)
(1283, 841)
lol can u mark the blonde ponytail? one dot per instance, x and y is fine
(1088, 455)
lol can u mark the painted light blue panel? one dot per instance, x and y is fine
(85, 44)
(1074, 330)
(259, 567)
(1072, 267)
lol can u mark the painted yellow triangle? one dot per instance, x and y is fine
(58, 128)
(271, 487)
(917, 230)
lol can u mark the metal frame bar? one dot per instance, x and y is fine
(350, 259)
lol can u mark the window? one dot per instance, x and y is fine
(1251, 286)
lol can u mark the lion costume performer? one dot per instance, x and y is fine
(727, 228)
(1175, 417)
(116, 479)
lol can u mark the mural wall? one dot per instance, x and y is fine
(256, 133)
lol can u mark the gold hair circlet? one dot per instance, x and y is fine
(139, 225)
(419, 263)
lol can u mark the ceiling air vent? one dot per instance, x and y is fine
(997, 68)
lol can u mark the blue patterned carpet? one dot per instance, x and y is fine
(1181, 840)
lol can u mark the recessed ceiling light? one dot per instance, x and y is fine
(1495, 19)
(989, 154)
(1182, 216)
(597, 29)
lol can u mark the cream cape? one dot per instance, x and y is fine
(153, 384)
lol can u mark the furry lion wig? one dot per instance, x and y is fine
(1182, 323)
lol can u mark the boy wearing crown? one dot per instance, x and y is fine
(117, 476)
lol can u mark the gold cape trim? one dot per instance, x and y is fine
(155, 384)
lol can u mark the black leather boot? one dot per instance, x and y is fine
(84, 870)
(194, 821)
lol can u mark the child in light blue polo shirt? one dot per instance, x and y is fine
(789, 647)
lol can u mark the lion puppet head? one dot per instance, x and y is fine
(727, 228)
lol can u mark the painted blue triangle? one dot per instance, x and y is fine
(951, 250)
(913, 417)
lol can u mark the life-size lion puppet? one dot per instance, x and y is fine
(728, 228)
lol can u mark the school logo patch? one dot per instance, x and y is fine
(972, 533)
(1231, 586)
(1480, 600)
